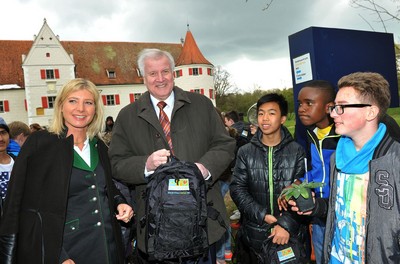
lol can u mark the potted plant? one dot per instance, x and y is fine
(301, 193)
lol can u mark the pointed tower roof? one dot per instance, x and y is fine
(191, 54)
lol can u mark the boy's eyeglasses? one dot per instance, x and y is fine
(339, 109)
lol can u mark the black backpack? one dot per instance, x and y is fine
(291, 253)
(176, 212)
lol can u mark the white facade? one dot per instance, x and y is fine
(48, 66)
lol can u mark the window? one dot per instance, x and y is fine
(195, 71)
(4, 106)
(199, 91)
(178, 73)
(111, 74)
(48, 101)
(49, 74)
(134, 97)
(47, 55)
(210, 71)
(211, 91)
(52, 100)
(111, 99)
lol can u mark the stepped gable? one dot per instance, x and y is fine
(191, 53)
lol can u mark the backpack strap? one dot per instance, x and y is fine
(215, 215)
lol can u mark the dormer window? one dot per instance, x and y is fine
(111, 74)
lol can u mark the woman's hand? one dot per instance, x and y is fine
(125, 212)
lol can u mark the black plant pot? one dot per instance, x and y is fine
(304, 204)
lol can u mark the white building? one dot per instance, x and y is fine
(33, 71)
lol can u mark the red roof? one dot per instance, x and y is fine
(92, 60)
(191, 54)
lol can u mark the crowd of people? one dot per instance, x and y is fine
(72, 192)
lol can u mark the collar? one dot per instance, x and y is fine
(94, 157)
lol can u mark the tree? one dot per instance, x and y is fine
(383, 10)
(222, 83)
(241, 102)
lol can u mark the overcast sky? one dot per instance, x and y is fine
(251, 44)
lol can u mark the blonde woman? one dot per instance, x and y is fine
(61, 205)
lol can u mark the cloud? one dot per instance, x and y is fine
(230, 33)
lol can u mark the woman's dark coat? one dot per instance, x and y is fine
(36, 202)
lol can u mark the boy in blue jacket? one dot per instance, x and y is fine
(314, 100)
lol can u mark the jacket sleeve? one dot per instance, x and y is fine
(11, 210)
(240, 193)
(221, 150)
(8, 245)
(290, 221)
(128, 166)
(320, 208)
(113, 192)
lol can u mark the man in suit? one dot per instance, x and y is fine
(139, 144)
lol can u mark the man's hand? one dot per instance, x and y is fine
(157, 158)
(203, 170)
(282, 202)
(270, 219)
(294, 207)
(280, 235)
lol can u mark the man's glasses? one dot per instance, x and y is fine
(339, 109)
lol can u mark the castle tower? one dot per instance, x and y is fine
(193, 72)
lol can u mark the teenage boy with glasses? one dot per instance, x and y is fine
(363, 209)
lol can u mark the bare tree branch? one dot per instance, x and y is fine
(383, 14)
(267, 5)
(222, 82)
(366, 21)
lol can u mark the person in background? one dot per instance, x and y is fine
(19, 132)
(109, 124)
(314, 100)
(363, 207)
(6, 161)
(223, 246)
(108, 129)
(35, 127)
(270, 162)
(61, 204)
(139, 144)
(231, 119)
